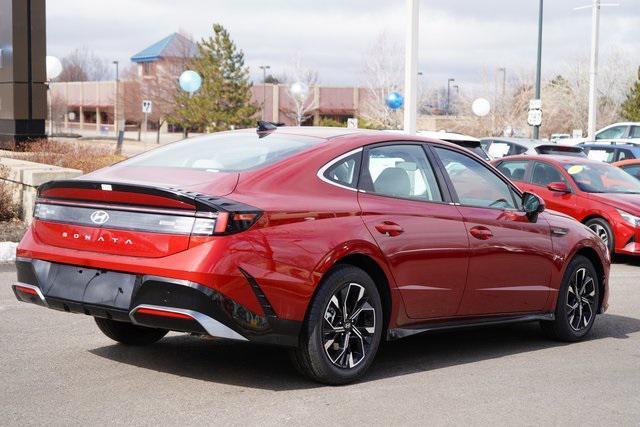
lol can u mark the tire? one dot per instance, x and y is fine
(355, 341)
(574, 317)
(602, 228)
(128, 333)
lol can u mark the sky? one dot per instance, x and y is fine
(462, 39)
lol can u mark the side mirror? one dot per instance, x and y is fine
(533, 205)
(558, 187)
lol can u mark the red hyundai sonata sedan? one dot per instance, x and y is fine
(323, 240)
(600, 195)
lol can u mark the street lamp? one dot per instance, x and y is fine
(53, 70)
(264, 69)
(536, 129)
(115, 105)
(449, 81)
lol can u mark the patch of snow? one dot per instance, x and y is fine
(8, 251)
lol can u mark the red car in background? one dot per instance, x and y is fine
(601, 196)
(630, 166)
(322, 240)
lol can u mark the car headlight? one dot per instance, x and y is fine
(632, 220)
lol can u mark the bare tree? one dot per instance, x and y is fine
(382, 74)
(301, 82)
(83, 65)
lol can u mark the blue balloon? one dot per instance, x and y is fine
(190, 81)
(394, 100)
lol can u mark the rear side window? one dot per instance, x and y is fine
(514, 169)
(544, 174)
(624, 154)
(607, 155)
(400, 171)
(345, 171)
(225, 152)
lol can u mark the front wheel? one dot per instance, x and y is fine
(603, 230)
(343, 329)
(577, 302)
(128, 333)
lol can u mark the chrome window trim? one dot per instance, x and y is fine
(324, 168)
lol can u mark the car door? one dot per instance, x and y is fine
(409, 213)
(511, 257)
(542, 175)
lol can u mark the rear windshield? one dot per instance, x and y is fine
(225, 152)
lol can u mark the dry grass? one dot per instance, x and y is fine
(8, 209)
(72, 155)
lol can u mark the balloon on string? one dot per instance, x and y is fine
(481, 107)
(190, 81)
(54, 67)
(394, 100)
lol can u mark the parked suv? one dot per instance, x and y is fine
(323, 240)
(603, 197)
(611, 152)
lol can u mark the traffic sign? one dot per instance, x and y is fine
(147, 107)
(534, 118)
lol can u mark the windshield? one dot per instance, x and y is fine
(225, 152)
(602, 178)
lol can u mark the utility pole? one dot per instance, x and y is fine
(411, 66)
(449, 94)
(264, 69)
(536, 129)
(593, 66)
(115, 105)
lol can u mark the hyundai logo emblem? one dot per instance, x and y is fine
(99, 217)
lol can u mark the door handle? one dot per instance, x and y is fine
(389, 228)
(480, 232)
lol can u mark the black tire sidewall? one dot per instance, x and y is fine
(337, 279)
(562, 321)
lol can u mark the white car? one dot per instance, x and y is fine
(626, 132)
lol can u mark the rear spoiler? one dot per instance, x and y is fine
(558, 149)
(199, 201)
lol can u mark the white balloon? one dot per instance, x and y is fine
(54, 67)
(299, 89)
(481, 107)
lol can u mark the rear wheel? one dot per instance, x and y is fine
(577, 302)
(603, 230)
(128, 333)
(343, 330)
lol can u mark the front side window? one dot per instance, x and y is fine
(602, 178)
(400, 171)
(612, 133)
(345, 171)
(475, 184)
(224, 152)
(544, 174)
(514, 169)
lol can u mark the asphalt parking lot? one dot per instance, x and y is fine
(57, 368)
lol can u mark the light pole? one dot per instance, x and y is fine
(593, 67)
(536, 129)
(115, 105)
(264, 69)
(449, 80)
(411, 66)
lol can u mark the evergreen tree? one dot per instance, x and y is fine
(224, 100)
(631, 105)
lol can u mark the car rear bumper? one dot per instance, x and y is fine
(147, 300)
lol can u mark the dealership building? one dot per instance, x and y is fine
(91, 105)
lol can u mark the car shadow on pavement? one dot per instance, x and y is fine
(627, 259)
(269, 368)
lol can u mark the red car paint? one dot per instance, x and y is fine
(583, 205)
(433, 263)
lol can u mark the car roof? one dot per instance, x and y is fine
(627, 162)
(552, 158)
(632, 145)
